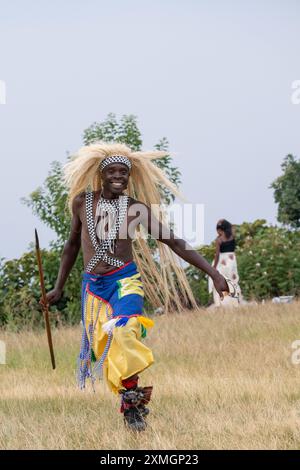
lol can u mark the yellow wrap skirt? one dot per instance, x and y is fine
(113, 327)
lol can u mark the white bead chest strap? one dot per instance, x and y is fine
(102, 248)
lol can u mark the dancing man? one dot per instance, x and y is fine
(115, 194)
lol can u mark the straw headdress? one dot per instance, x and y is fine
(165, 282)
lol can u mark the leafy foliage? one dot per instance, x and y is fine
(20, 291)
(126, 131)
(269, 263)
(287, 192)
(49, 204)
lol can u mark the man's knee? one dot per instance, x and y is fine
(128, 332)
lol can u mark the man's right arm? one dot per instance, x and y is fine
(70, 252)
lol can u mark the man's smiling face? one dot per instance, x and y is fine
(115, 179)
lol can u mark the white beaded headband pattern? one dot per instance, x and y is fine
(115, 159)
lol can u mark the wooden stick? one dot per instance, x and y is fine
(44, 298)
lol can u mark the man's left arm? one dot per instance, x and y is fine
(164, 234)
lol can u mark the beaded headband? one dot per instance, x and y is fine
(115, 159)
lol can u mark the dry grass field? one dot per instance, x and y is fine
(222, 380)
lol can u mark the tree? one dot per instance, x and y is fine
(287, 192)
(127, 132)
(49, 204)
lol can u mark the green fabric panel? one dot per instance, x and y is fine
(93, 357)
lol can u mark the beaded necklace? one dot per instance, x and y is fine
(116, 208)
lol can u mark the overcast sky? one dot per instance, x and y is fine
(214, 77)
